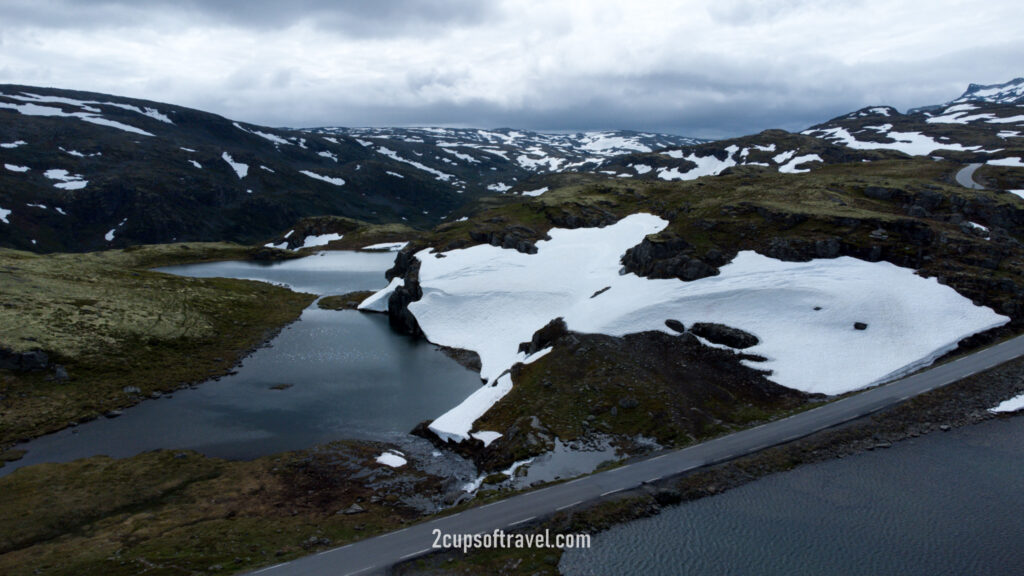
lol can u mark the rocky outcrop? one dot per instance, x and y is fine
(23, 361)
(399, 317)
(670, 257)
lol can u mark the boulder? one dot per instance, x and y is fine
(724, 335)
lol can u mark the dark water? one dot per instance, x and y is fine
(351, 376)
(945, 504)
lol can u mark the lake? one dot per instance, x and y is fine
(944, 504)
(344, 374)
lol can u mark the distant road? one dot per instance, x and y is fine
(965, 177)
(375, 554)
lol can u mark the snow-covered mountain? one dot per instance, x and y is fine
(1011, 92)
(497, 161)
(85, 171)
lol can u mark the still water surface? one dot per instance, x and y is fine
(348, 375)
(944, 504)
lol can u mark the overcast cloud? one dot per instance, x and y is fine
(710, 68)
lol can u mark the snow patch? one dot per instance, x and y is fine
(912, 143)
(395, 174)
(392, 458)
(536, 192)
(378, 302)
(791, 166)
(489, 300)
(11, 145)
(67, 180)
(319, 240)
(1011, 161)
(4, 213)
(486, 436)
(500, 187)
(328, 179)
(241, 169)
(1012, 405)
(388, 246)
(196, 164)
(642, 168)
(455, 424)
(328, 154)
(15, 168)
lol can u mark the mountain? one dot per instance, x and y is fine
(86, 171)
(497, 161)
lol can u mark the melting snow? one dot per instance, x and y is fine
(68, 181)
(500, 187)
(536, 192)
(642, 168)
(389, 246)
(187, 149)
(319, 240)
(328, 154)
(706, 165)
(392, 458)
(196, 164)
(14, 168)
(1012, 405)
(395, 174)
(238, 167)
(912, 143)
(1019, 193)
(394, 156)
(1006, 120)
(15, 144)
(1010, 161)
(489, 300)
(486, 436)
(791, 166)
(109, 236)
(455, 424)
(4, 213)
(328, 179)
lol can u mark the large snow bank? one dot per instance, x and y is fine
(489, 300)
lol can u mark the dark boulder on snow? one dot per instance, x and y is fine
(724, 335)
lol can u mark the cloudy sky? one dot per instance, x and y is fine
(709, 68)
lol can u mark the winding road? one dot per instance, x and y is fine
(375, 554)
(965, 177)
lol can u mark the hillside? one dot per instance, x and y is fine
(85, 171)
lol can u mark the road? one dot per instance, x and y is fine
(965, 177)
(375, 554)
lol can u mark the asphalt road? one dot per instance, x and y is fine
(965, 177)
(375, 554)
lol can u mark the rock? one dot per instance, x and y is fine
(545, 337)
(113, 413)
(131, 390)
(23, 361)
(668, 497)
(860, 326)
(60, 373)
(675, 325)
(628, 403)
(353, 509)
(945, 427)
(724, 335)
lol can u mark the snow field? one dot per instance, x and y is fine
(489, 300)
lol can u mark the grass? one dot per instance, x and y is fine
(114, 324)
(177, 512)
(344, 301)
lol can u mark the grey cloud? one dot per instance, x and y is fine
(353, 18)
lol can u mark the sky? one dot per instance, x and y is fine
(703, 68)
